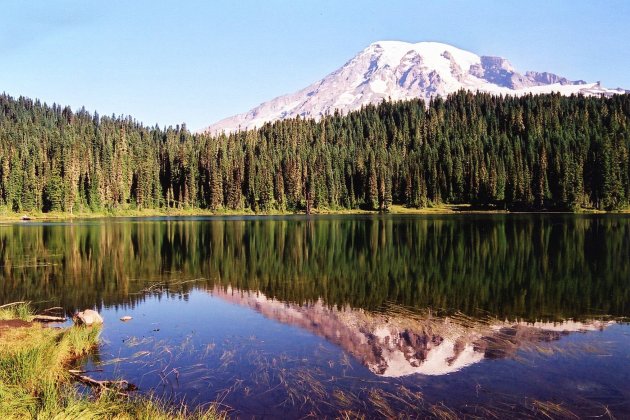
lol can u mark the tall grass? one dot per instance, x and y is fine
(35, 382)
(16, 310)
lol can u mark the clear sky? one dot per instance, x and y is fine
(169, 62)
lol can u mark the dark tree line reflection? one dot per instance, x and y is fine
(546, 266)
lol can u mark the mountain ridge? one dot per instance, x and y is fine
(400, 70)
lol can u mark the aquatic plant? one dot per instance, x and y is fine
(36, 382)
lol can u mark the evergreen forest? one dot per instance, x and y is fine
(533, 152)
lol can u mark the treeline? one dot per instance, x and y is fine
(546, 152)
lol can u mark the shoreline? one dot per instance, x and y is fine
(446, 209)
(45, 365)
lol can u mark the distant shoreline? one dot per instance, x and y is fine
(446, 209)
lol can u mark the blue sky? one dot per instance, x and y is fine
(169, 62)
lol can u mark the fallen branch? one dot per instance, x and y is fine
(11, 304)
(54, 308)
(122, 387)
(77, 371)
(49, 318)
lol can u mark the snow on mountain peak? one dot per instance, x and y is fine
(402, 70)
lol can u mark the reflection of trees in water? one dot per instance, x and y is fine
(531, 266)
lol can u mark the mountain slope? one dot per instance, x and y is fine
(401, 70)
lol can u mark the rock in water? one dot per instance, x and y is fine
(126, 318)
(87, 317)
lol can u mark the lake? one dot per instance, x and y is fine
(521, 315)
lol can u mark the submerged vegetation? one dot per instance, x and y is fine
(35, 381)
(256, 380)
(532, 152)
(570, 265)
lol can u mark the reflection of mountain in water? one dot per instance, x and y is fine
(398, 342)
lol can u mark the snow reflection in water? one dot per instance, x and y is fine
(264, 357)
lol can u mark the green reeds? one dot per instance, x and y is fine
(16, 310)
(33, 362)
(35, 381)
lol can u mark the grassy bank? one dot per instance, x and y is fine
(10, 217)
(7, 216)
(35, 381)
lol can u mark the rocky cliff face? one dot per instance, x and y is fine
(400, 71)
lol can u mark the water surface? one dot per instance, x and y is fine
(519, 315)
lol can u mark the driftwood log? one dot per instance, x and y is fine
(122, 387)
(11, 304)
(49, 318)
(41, 317)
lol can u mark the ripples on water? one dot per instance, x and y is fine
(449, 315)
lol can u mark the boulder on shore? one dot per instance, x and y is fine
(87, 317)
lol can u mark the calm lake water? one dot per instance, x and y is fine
(466, 315)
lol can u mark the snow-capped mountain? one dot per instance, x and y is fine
(402, 70)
